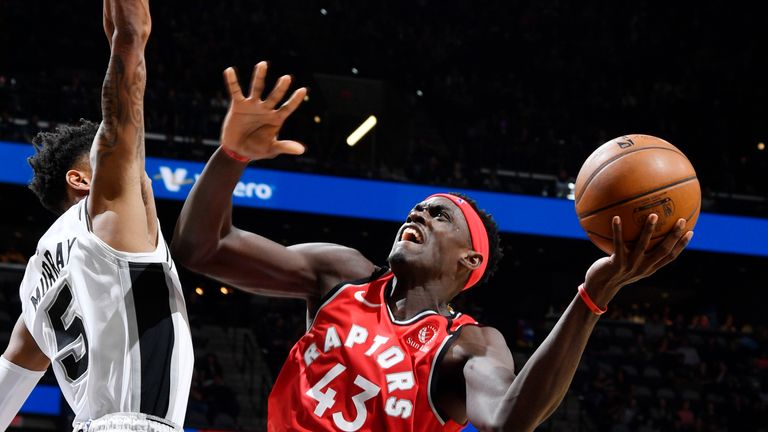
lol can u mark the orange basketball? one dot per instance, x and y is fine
(633, 176)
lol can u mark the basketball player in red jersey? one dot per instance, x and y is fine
(386, 352)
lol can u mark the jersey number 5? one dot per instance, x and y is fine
(68, 326)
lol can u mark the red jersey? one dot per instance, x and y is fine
(359, 369)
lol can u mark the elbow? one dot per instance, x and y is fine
(189, 254)
(193, 246)
(180, 254)
(131, 36)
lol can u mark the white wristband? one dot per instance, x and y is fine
(16, 383)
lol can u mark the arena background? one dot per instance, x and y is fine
(507, 98)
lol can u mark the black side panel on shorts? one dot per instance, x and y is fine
(155, 329)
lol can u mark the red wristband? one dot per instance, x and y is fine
(236, 156)
(590, 304)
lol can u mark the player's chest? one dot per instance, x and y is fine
(361, 354)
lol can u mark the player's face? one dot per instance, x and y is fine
(433, 238)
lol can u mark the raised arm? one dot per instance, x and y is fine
(120, 201)
(21, 367)
(496, 399)
(205, 239)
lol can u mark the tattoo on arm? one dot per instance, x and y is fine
(122, 103)
(136, 93)
(110, 102)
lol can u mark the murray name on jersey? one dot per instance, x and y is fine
(49, 265)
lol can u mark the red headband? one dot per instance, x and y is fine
(477, 233)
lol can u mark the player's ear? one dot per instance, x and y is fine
(471, 260)
(78, 180)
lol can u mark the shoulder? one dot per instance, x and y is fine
(478, 356)
(336, 262)
(325, 250)
(474, 341)
(477, 340)
(477, 346)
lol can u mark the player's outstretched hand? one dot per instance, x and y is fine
(607, 275)
(252, 124)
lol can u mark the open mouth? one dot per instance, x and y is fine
(412, 235)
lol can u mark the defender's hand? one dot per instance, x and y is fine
(607, 275)
(252, 124)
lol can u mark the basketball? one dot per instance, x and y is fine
(631, 177)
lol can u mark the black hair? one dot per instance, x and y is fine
(57, 152)
(495, 253)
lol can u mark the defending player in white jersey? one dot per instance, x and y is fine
(101, 300)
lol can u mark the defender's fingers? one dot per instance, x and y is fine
(277, 94)
(233, 86)
(257, 81)
(293, 102)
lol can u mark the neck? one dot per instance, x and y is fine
(408, 300)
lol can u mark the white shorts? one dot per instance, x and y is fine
(127, 422)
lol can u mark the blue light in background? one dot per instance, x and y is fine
(44, 399)
(390, 201)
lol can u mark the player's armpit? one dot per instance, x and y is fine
(115, 200)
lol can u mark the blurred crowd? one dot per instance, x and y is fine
(661, 373)
(478, 94)
(212, 403)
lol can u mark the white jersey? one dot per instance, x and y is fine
(114, 324)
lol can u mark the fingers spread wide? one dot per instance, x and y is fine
(233, 86)
(277, 94)
(293, 102)
(289, 147)
(257, 81)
